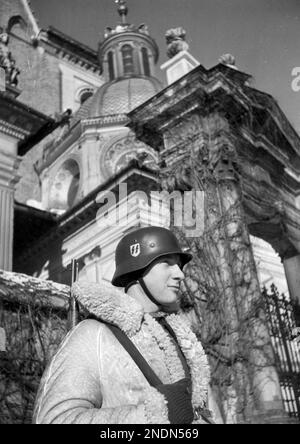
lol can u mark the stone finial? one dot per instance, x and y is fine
(228, 59)
(122, 9)
(108, 31)
(175, 39)
(143, 28)
(7, 62)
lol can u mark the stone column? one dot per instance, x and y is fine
(292, 272)
(8, 179)
(6, 228)
(200, 154)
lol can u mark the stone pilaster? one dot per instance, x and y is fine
(6, 228)
(292, 272)
(8, 179)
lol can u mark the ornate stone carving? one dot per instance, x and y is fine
(228, 59)
(143, 28)
(7, 62)
(176, 43)
(191, 147)
(119, 153)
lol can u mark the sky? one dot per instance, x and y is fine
(263, 35)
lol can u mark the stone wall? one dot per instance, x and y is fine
(39, 70)
(33, 321)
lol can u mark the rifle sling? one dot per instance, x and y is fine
(140, 361)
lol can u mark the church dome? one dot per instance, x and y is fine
(122, 95)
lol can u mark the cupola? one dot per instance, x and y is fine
(127, 50)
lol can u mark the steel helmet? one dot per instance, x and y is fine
(139, 248)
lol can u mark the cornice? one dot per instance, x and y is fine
(23, 123)
(203, 91)
(13, 131)
(103, 121)
(57, 148)
(266, 101)
(70, 48)
(199, 83)
(253, 114)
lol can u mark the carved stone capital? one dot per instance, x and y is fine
(118, 152)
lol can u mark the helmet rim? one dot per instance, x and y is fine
(120, 280)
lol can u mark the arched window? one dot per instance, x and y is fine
(85, 94)
(14, 21)
(146, 64)
(127, 56)
(18, 26)
(111, 68)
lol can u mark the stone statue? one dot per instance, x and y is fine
(14, 72)
(7, 62)
(228, 59)
(5, 55)
(143, 28)
(176, 43)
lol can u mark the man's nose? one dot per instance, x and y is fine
(177, 273)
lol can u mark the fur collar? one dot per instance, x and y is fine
(109, 304)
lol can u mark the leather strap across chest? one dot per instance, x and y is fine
(140, 361)
(169, 329)
(147, 371)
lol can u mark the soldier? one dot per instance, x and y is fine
(135, 360)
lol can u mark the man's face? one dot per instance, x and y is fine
(163, 281)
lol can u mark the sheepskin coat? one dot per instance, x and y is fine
(93, 380)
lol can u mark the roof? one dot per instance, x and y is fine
(29, 125)
(122, 96)
(64, 43)
(114, 98)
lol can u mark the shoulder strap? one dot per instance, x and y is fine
(140, 361)
(182, 357)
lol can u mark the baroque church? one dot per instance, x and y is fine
(82, 146)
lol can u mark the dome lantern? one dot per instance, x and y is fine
(127, 50)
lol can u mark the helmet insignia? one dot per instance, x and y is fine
(135, 250)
